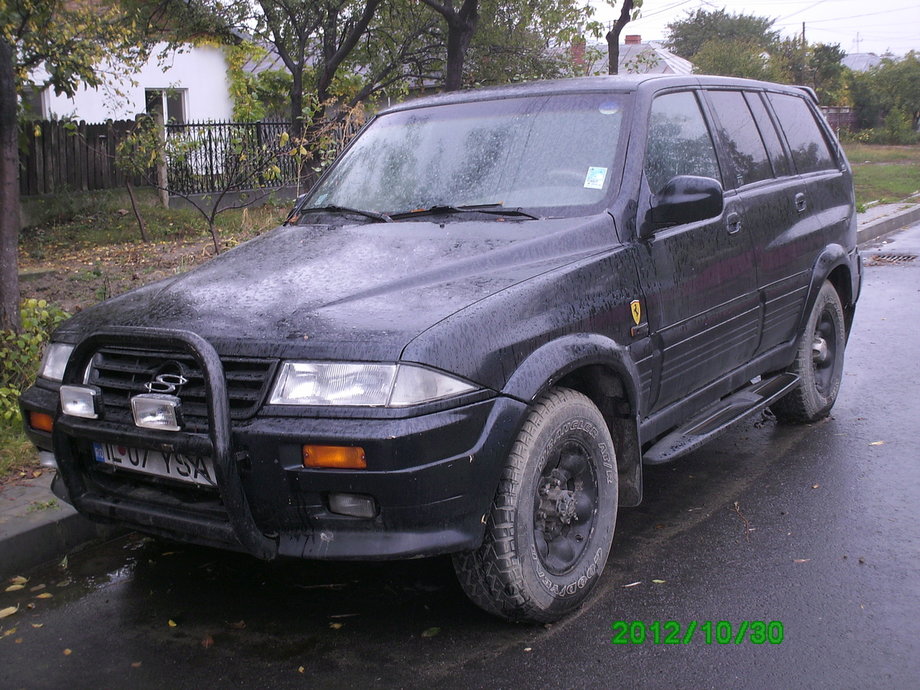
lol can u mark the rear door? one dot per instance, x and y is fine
(773, 206)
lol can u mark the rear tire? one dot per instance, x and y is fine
(818, 362)
(552, 520)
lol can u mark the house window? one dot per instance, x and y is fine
(169, 103)
(33, 103)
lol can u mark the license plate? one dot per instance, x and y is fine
(175, 466)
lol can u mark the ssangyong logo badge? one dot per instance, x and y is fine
(166, 384)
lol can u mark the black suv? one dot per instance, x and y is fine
(471, 334)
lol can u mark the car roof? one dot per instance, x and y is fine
(607, 83)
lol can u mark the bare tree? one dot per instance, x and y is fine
(628, 13)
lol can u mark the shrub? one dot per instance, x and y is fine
(21, 353)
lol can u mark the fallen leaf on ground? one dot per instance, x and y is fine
(7, 633)
(659, 582)
(431, 632)
(632, 584)
(68, 652)
(300, 669)
(815, 486)
(877, 443)
(136, 664)
(19, 580)
(528, 649)
(171, 623)
(14, 588)
(800, 560)
(44, 595)
(8, 611)
(336, 626)
(207, 641)
(38, 625)
(37, 588)
(239, 625)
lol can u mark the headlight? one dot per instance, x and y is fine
(369, 385)
(55, 361)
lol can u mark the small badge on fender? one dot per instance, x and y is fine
(636, 308)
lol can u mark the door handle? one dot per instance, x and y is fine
(800, 202)
(733, 223)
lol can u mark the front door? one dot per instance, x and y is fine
(699, 278)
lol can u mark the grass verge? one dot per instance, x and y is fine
(886, 174)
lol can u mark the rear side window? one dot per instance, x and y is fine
(806, 141)
(769, 134)
(741, 138)
(678, 141)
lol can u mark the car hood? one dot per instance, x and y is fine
(359, 291)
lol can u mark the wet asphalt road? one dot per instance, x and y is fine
(815, 527)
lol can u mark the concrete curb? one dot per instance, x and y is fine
(33, 530)
(36, 527)
(903, 216)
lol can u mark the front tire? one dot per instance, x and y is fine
(552, 520)
(818, 363)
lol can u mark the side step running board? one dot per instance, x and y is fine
(718, 417)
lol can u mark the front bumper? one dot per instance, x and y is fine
(432, 476)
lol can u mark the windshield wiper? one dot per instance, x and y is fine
(332, 208)
(497, 209)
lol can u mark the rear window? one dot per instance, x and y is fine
(810, 152)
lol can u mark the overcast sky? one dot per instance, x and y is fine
(864, 26)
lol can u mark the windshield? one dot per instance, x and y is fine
(554, 153)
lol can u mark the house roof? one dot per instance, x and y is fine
(652, 58)
(861, 62)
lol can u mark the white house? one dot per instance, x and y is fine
(186, 86)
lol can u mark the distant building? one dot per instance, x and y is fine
(189, 84)
(636, 57)
(861, 62)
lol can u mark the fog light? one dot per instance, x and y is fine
(41, 421)
(339, 457)
(81, 401)
(354, 505)
(157, 411)
(47, 459)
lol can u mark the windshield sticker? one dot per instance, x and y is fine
(595, 178)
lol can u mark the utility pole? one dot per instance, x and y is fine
(803, 33)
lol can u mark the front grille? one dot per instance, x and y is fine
(122, 373)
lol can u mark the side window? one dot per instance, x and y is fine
(770, 136)
(806, 141)
(741, 138)
(678, 141)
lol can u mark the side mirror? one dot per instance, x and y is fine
(686, 199)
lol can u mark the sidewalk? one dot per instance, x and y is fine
(35, 526)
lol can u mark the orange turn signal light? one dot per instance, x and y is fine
(338, 457)
(41, 421)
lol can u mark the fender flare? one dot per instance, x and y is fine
(831, 257)
(551, 362)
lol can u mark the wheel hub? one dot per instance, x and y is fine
(819, 350)
(557, 504)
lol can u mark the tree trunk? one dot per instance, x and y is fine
(461, 25)
(137, 214)
(297, 103)
(613, 37)
(9, 192)
(459, 35)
